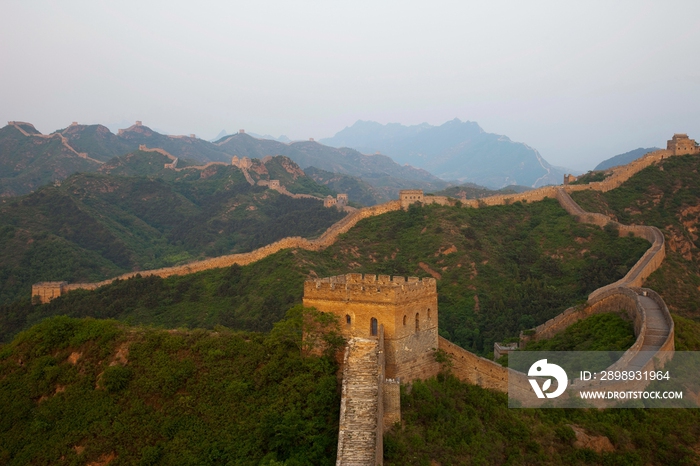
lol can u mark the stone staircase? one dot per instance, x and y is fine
(359, 408)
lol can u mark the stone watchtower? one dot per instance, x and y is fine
(681, 144)
(405, 307)
(342, 200)
(44, 292)
(410, 196)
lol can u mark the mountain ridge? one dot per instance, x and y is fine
(455, 150)
(17, 143)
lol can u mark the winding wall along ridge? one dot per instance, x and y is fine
(466, 365)
(322, 242)
(64, 141)
(625, 294)
(619, 175)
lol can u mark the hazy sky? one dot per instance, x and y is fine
(579, 81)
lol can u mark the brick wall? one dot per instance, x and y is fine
(325, 240)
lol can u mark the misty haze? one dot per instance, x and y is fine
(303, 233)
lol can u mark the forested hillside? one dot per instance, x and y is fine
(94, 226)
(474, 191)
(357, 190)
(89, 391)
(499, 269)
(666, 196)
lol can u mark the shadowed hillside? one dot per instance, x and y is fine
(379, 171)
(357, 190)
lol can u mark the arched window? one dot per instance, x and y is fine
(404, 320)
(428, 313)
(373, 327)
(417, 322)
(348, 320)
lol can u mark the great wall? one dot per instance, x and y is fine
(374, 363)
(18, 125)
(244, 164)
(618, 175)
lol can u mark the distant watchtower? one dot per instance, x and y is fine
(329, 201)
(568, 179)
(406, 307)
(410, 196)
(681, 144)
(44, 292)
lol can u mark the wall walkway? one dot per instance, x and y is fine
(64, 141)
(360, 431)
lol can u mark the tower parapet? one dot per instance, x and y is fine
(681, 144)
(243, 162)
(406, 307)
(46, 291)
(410, 196)
(329, 201)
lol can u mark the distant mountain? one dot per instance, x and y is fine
(623, 159)
(474, 191)
(455, 150)
(29, 159)
(221, 134)
(282, 138)
(379, 171)
(357, 190)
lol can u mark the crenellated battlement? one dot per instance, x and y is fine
(370, 288)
